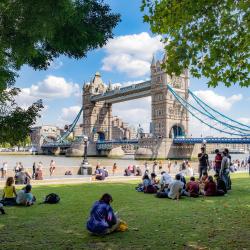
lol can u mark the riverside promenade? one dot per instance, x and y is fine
(77, 179)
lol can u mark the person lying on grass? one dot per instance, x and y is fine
(9, 193)
(102, 219)
(25, 197)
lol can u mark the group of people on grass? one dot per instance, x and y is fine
(167, 187)
(11, 197)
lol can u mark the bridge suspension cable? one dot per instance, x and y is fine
(70, 128)
(206, 108)
(202, 116)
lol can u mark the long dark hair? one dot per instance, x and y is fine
(9, 181)
(106, 198)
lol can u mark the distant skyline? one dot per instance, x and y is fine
(124, 60)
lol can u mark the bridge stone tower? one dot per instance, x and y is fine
(169, 118)
(97, 116)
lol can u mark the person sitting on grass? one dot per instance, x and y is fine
(145, 183)
(175, 188)
(166, 179)
(9, 193)
(25, 197)
(154, 180)
(99, 173)
(220, 183)
(102, 219)
(39, 174)
(210, 188)
(202, 182)
(192, 188)
(138, 171)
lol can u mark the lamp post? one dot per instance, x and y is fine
(85, 152)
(85, 166)
(204, 142)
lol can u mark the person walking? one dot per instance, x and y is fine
(154, 166)
(52, 167)
(34, 170)
(203, 161)
(114, 168)
(4, 169)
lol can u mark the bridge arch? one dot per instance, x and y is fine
(101, 136)
(177, 130)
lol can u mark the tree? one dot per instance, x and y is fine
(211, 38)
(34, 33)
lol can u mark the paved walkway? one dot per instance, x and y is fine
(78, 179)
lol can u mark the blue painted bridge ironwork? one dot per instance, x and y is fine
(213, 140)
(108, 145)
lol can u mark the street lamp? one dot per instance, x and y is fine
(85, 152)
(85, 166)
(204, 142)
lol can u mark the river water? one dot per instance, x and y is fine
(28, 160)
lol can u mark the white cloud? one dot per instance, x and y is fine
(54, 87)
(220, 102)
(69, 114)
(49, 88)
(131, 54)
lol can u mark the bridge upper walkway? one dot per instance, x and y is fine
(131, 92)
(107, 145)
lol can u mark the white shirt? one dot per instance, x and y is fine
(5, 166)
(175, 187)
(166, 179)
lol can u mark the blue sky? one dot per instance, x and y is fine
(125, 59)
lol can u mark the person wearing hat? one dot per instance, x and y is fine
(25, 197)
(203, 161)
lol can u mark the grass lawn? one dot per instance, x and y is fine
(202, 223)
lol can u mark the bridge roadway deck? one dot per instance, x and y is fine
(128, 93)
(212, 140)
(103, 144)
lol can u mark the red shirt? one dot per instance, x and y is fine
(218, 159)
(210, 188)
(193, 187)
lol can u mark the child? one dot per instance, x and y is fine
(9, 192)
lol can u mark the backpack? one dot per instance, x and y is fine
(52, 198)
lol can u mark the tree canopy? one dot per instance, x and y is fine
(211, 38)
(34, 33)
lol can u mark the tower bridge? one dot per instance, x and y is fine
(170, 110)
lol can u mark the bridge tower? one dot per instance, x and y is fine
(169, 118)
(97, 116)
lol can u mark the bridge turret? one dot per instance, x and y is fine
(153, 64)
(168, 118)
(97, 116)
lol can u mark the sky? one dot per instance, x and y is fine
(125, 59)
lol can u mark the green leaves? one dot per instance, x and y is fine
(211, 38)
(35, 33)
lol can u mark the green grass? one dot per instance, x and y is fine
(202, 223)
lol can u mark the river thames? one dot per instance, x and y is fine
(28, 160)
